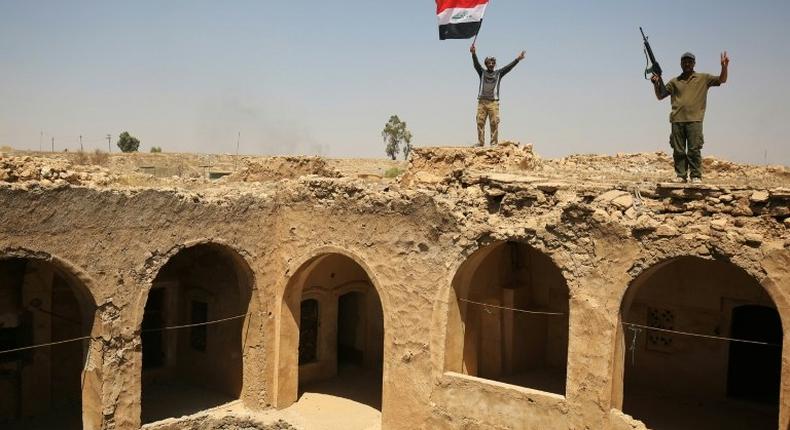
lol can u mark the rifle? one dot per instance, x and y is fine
(652, 66)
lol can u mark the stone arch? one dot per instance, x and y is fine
(694, 294)
(527, 347)
(200, 366)
(51, 291)
(312, 269)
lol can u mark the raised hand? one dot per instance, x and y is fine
(521, 55)
(472, 49)
(725, 60)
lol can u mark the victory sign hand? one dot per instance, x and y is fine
(725, 60)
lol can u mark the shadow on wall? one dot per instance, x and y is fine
(40, 303)
(508, 319)
(688, 382)
(332, 333)
(188, 365)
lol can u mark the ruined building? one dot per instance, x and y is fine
(481, 289)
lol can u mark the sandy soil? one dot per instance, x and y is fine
(350, 401)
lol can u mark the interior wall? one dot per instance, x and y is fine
(374, 333)
(39, 304)
(325, 279)
(331, 278)
(210, 357)
(701, 295)
(500, 344)
(325, 364)
(66, 325)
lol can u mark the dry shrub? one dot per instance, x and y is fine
(100, 158)
(393, 172)
(97, 158)
(6, 148)
(81, 158)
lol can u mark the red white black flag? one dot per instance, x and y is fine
(459, 19)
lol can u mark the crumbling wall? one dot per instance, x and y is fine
(411, 239)
(435, 165)
(275, 168)
(51, 171)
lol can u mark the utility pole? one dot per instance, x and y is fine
(238, 140)
(40, 139)
(53, 143)
(109, 148)
(81, 143)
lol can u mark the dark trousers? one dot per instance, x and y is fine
(686, 141)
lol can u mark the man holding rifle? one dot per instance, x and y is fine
(689, 93)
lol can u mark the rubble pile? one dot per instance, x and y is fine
(435, 165)
(724, 169)
(669, 211)
(276, 168)
(658, 167)
(592, 166)
(430, 167)
(209, 422)
(52, 171)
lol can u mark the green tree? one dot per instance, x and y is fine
(127, 142)
(394, 134)
(156, 149)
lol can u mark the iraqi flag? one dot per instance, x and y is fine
(459, 19)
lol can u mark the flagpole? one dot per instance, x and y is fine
(478, 30)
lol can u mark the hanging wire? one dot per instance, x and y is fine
(177, 327)
(8, 351)
(76, 339)
(512, 309)
(704, 336)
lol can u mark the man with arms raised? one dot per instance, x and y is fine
(689, 93)
(488, 94)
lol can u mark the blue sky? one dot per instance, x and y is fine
(317, 77)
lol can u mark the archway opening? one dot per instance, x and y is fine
(508, 318)
(332, 308)
(40, 304)
(192, 332)
(678, 371)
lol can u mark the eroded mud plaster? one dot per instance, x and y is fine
(410, 237)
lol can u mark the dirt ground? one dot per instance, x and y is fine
(350, 401)
(427, 165)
